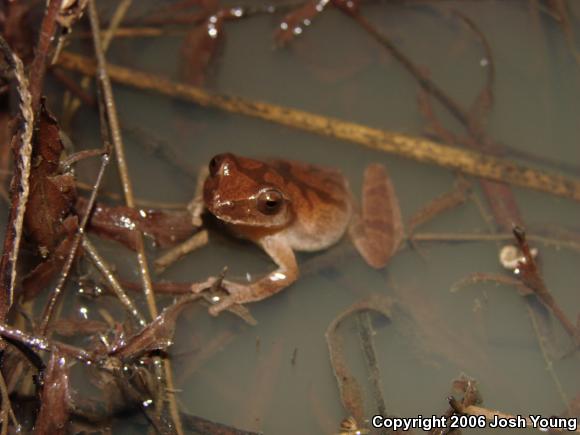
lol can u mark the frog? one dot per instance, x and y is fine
(286, 206)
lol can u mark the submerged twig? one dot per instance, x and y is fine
(57, 291)
(423, 150)
(107, 37)
(100, 264)
(117, 141)
(114, 131)
(118, 16)
(530, 276)
(496, 237)
(39, 63)
(350, 391)
(196, 241)
(471, 396)
(500, 197)
(523, 290)
(366, 337)
(38, 343)
(138, 201)
(7, 412)
(542, 344)
(447, 201)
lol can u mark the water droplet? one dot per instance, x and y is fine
(212, 31)
(127, 223)
(321, 5)
(237, 12)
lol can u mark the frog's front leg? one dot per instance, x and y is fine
(377, 230)
(281, 253)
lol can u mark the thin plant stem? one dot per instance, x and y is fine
(548, 360)
(105, 270)
(116, 139)
(107, 37)
(57, 292)
(484, 237)
(196, 241)
(45, 38)
(7, 411)
(139, 202)
(467, 161)
(118, 16)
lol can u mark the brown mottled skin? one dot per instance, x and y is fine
(285, 206)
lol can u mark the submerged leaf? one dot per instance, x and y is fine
(199, 48)
(378, 233)
(157, 335)
(294, 22)
(119, 223)
(350, 391)
(55, 398)
(52, 193)
(43, 273)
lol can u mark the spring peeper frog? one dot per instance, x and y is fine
(285, 206)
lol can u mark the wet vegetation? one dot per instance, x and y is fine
(123, 353)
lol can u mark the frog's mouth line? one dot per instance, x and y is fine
(222, 210)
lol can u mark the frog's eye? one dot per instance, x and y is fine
(214, 165)
(270, 201)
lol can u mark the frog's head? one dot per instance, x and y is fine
(243, 191)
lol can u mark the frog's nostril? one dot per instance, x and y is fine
(214, 165)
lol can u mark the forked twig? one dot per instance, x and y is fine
(100, 264)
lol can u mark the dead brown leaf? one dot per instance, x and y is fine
(55, 398)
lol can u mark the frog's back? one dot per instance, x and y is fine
(321, 202)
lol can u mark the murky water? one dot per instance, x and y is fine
(276, 377)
